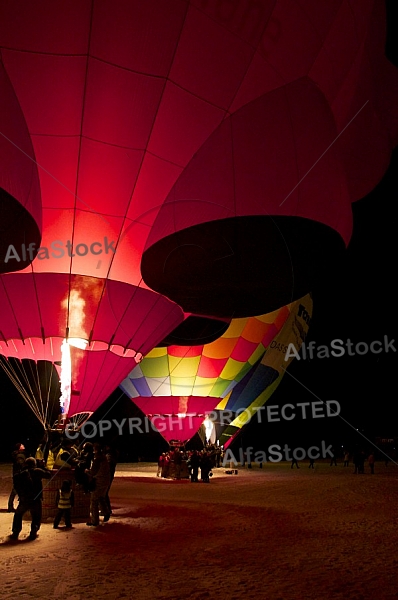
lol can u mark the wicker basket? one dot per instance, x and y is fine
(81, 509)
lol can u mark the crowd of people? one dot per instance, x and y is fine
(92, 469)
(359, 457)
(179, 463)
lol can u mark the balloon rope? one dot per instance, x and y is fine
(37, 382)
(49, 379)
(55, 397)
(33, 403)
(15, 379)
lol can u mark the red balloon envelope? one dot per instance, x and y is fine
(221, 145)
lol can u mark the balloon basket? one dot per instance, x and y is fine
(80, 511)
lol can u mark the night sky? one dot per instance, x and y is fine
(356, 302)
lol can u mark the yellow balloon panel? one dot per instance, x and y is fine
(183, 367)
(182, 386)
(156, 353)
(204, 385)
(236, 328)
(231, 369)
(155, 367)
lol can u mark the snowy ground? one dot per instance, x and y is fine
(269, 534)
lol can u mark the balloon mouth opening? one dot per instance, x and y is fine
(241, 266)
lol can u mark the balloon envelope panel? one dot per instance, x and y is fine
(208, 372)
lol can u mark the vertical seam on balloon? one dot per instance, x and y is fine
(322, 39)
(79, 154)
(117, 400)
(166, 79)
(255, 51)
(135, 183)
(103, 356)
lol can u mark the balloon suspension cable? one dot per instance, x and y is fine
(27, 382)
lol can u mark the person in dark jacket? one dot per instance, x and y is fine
(84, 463)
(194, 464)
(29, 487)
(160, 464)
(18, 461)
(112, 456)
(177, 463)
(205, 467)
(99, 474)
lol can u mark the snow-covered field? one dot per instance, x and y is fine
(264, 534)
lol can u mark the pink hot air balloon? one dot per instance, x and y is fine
(95, 317)
(179, 147)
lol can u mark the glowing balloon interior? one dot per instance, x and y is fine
(164, 162)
